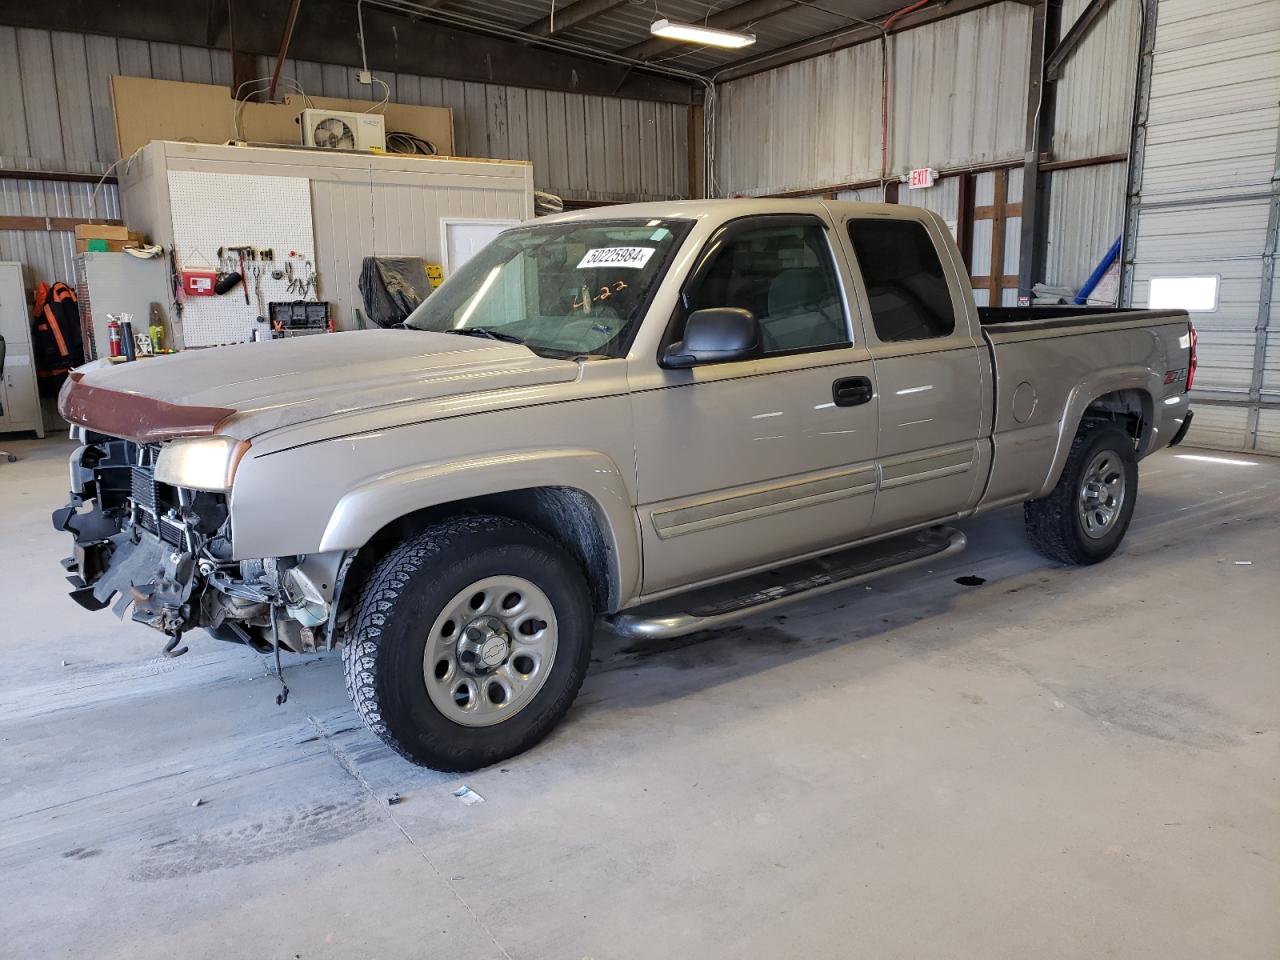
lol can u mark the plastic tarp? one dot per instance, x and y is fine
(392, 287)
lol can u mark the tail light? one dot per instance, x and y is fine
(1191, 364)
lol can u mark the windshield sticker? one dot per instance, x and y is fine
(605, 293)
(660, 234)
(635, 257)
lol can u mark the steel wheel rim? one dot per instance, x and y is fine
(1101, 494)
(490, 650)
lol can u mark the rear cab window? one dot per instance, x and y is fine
(907, 289)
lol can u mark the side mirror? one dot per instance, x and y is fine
(716, 335)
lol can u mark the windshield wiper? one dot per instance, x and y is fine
(488, 332)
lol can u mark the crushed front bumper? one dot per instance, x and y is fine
(164, 553)
(117, 556)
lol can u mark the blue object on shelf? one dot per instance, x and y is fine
(1098, 272)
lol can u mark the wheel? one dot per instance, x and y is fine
(12, 458)
(469, 642)
(1085, 517)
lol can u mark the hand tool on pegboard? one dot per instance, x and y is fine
(241, 252)
(177, 282)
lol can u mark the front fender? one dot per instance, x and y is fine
(372, 504)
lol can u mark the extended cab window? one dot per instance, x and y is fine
(785, 276)
(906, 288)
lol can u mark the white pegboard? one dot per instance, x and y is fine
(212, 210)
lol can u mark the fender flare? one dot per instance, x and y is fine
(1099, 384)
(371, 505)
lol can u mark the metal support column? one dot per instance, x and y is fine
(1265, 293)
(1033, 249)
(1137, 149)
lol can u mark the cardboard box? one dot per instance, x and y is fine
(116, 238)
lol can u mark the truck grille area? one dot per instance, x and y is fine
(126, 489)
(155, 502)
(142, 487)
(170, 531)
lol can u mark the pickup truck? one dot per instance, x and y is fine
(664, 416)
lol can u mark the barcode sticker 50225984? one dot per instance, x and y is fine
(616, 257)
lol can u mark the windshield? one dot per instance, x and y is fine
(564, 289)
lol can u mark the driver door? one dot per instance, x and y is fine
(748, 463)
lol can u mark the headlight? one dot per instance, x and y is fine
(207, 463)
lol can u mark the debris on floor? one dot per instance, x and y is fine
(971, 581)
(198, 802)
(467, 795)
(394, 799)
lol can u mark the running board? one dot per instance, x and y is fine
(724, 603)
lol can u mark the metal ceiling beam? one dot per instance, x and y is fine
(1075, 36)
(284, 46)
(838, 40)
(396, 42)
(571, 16)
(737, 16)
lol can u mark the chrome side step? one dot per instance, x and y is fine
(725, 603)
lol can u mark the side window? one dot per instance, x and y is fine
(786, 277)
(906, 288)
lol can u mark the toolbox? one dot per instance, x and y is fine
(297, 316)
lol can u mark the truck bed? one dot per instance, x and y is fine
(1050, 361)
(1052, 316)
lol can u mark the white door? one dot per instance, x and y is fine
(463, 239)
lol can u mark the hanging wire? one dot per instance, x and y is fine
(237, 105)
(386, 95)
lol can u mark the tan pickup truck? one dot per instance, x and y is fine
(666, 416)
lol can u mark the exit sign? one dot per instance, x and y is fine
(922, 177)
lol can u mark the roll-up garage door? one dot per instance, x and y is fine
(1205, 207)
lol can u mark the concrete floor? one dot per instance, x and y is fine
(1056, 763)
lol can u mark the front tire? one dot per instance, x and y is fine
(469, 642)
(1086, 516)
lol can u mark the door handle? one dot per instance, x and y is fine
(852, 391)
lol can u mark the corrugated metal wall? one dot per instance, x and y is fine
(958, 98)
(943, 198)
(1086, 215)
(1095, 91)
(1092, 118)
(55, 115)
(49, 255)
(958, 95)
(583, 147)
(1208, 202)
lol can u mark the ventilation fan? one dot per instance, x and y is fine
(337, 130)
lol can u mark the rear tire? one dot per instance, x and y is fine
(1086, 516)
(469, 642)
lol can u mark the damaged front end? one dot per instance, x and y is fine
(165, 551)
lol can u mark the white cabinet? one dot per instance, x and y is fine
(361, 205)
(19, 395)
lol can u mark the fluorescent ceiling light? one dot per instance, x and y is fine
(692, 33)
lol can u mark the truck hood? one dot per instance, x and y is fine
(247, 389)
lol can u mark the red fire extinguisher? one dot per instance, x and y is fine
(113, 338)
